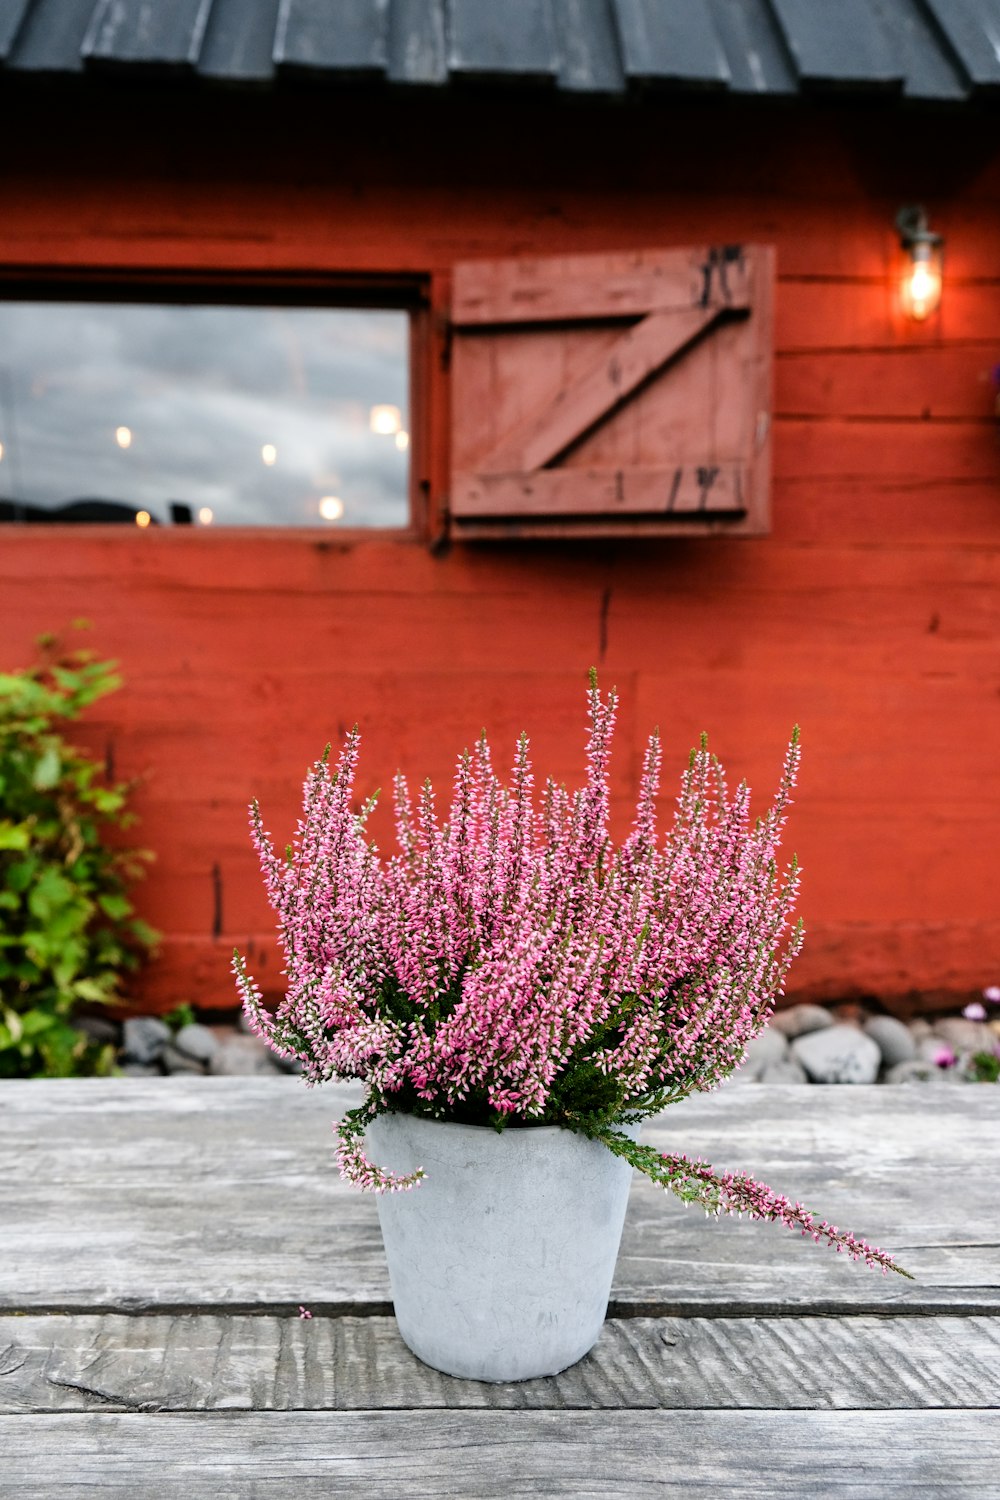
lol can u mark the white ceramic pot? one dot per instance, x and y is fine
(501, 1259)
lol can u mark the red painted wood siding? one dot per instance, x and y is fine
(869, 615)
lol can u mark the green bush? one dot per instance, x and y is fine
(67, 926)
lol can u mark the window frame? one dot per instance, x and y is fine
(419, 295)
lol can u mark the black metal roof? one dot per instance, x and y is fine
(914, 49)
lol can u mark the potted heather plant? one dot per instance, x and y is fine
(517, 995)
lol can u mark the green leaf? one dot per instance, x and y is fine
(14, 835)
(48, 769)
(115, 905)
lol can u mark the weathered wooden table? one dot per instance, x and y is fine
(158, 1238)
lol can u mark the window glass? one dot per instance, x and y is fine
(209, 416)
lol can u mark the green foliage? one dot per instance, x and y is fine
(985, 1067)
(182, 1015)
(67, 926)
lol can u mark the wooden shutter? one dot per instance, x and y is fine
(612, 395)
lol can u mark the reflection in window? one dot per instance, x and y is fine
(203, 416)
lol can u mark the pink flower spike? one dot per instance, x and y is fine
(944, 1057)
(974, 1011)
(304, 1312)
(992, 994)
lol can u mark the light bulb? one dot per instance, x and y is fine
(269, 455)
(142, 519)
(206, 515)
(123, 437)
(922, 283)
(331, 508)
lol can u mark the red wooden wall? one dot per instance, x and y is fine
(869, 615)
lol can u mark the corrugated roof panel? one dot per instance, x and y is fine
(928, 67)
(923, 49)
(315, 36)
(11, 16)
(588, 47)
(239, 41)
(147, 33)
(670, 41)
(973, 29)
(51, 38)
(755, 53)
(417, 42)
(833, 45)
(489, 39)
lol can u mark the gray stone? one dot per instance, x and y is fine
(142, 1070)
(894, 1040)
(241, 1056)
(144, 1038)
(838, 1054)
(919, 1028)
(784, 1070)
(801, 1020)
(769, 1047)
(919, 1070)
(96, 1029)
(748, 1073)
(175, 1061)
(197, 1042)
(965, 1036)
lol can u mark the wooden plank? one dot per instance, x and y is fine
(691, 489)
(851, 1455)
(208, 1362)
(619, 284)
(659, 339)
(200, 1194)
(951, 380)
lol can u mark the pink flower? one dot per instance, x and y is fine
(304, 1312)
(992, 994)
(944, 1057)
(974, 1011)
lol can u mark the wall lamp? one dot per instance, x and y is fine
(920, 284)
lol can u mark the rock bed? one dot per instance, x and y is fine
(809, 1044)
(804, 1044)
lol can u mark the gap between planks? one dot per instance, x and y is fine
(986, 1305)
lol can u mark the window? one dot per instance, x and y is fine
(163, 413)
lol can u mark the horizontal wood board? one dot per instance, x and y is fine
(579, 1455)
(198, 1194)
(213, 1362)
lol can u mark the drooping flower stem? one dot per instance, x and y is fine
(739, 1193)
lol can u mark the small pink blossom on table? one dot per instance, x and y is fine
(974, 1011)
